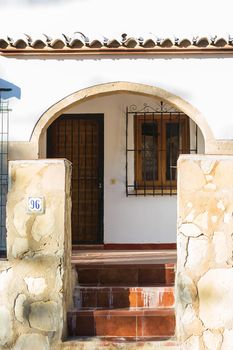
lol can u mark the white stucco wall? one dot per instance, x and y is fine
(127, 219)
(203, 82)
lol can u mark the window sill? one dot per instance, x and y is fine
(153, 192)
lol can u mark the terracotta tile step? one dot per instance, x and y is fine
(116, 257)
(123, 297)
(101, 343)
(122, 323)
(126, 275)
(102, 264)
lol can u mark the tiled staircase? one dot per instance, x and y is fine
(129, 300)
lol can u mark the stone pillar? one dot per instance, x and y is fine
(36, 280)
(204, 281)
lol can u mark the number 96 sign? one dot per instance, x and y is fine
(35, 205)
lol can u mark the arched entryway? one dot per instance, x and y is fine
(81, 112)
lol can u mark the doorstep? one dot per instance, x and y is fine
(97, 343)
(120, 257)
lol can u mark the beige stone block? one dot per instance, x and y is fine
(25, 175)
(227, 340)
(36, 285)
(19, 247)
(185, 289)
(44, 225)
(215, 290)
(179, 221)
(40, 304)
(206, 202)
(190, 230)
(214, 219)
(227, 218)
(209, 178)
(191, 177)
(198, 258)
(32, 341)
(212, 340)
(207, 165)
(6, 331)
(58, 279)
(201, 221)
(5, 279)
(222, 249)
(191, 324)
(182, 250)
(210, 187)
(212, 305)
(21, 218)
(19, 307)
(193, 343)
(189, 205)
(224, 174)
(190, 216)
(53, 178)
(220, 205)
(34, 188)
(44, 316)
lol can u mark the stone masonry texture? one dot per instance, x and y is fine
(204, 280)
(35, 277)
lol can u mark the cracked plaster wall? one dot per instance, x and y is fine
(204, 280)
(35, 278)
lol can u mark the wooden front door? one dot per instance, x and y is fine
(79, 138)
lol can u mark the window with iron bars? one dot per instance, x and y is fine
(155, 137)
(4, 132)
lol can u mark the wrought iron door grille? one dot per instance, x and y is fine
(79, 138)
(155, 137)
(4, 134)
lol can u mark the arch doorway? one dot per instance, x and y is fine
(113, 201)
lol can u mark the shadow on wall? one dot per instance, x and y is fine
(14, 92)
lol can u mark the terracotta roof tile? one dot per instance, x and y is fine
(167, 43)
(81, 43)
(149, 43)
(37, 44)
(221, 42)
(203, 42)
(184, 43)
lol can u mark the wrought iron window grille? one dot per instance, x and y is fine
(155, 137)
(4, 138)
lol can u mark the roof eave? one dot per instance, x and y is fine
(194, 50)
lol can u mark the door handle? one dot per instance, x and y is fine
(100, 186)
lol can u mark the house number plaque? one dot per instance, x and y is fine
(35, 205)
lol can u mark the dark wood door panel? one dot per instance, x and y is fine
(79, 138)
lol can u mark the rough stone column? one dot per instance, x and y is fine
(36, 279)
(204, 281)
